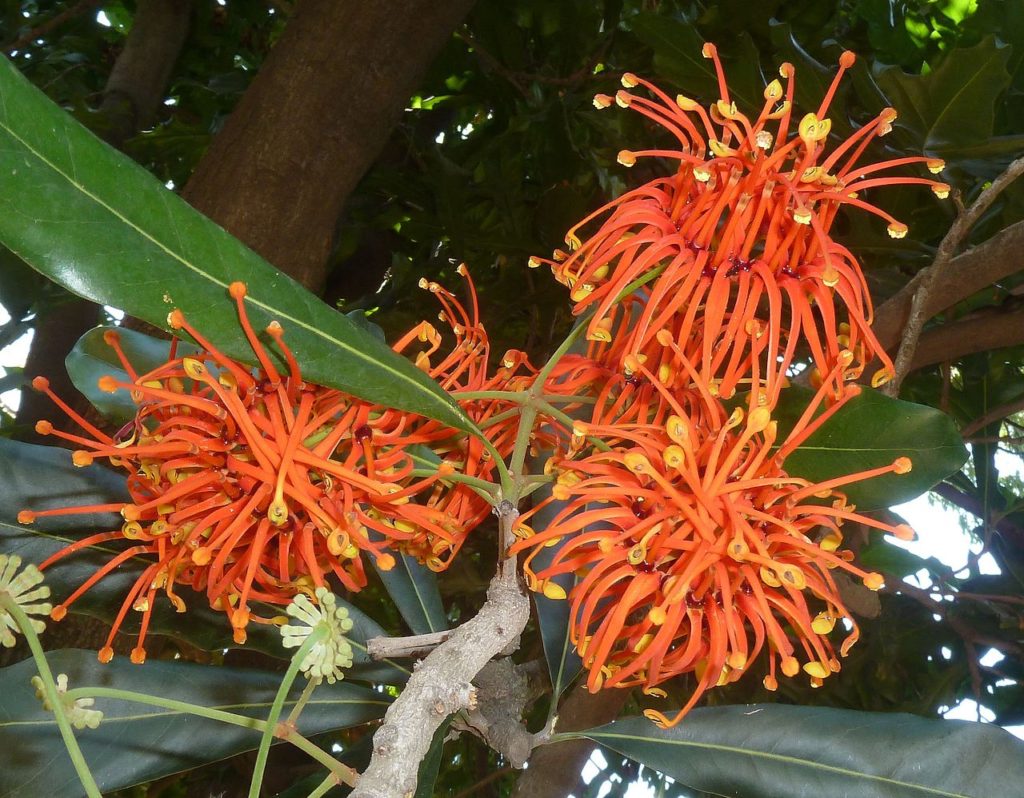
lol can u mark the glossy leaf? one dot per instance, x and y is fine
(92, 220)
(564, 664)
(677, 55)
(413, 588)
(871, 431)
(135, 742)
(953, 105)
(770, 750)
(42, 477)
(93, 358)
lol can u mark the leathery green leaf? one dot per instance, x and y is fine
(91, 219)
(136, 742)
(769, 750)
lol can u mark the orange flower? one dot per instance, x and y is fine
(248, 484)
(735, 245)
(696, 551)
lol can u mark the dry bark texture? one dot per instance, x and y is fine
(314, 119)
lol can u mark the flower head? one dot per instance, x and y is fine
(696, 551)
(78, 711)
(248, 484)
(734, 246)
(24, 588)
(328, 658)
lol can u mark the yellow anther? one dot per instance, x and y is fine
(823, 623)
(701, 173)
(623, 99)
(195, 369)
(637, 463)
(719, 149)
(602, 101)
(791, 576)
(874, 581)
(941, 190)
(532, 262)
(737, 660)
(802, 215)
(643, 643)
(727, 110)
(657, 692)
(685, 103)
(897, 229)
(657, 616)
(813, 130)
(902, 465)
(758, 419)
(773, 91)
(816, 669)
(935, 165)
(626, 158)
(769, 578)
(636, 554)
(277, 512)
(831, 541)
(811, 173)
(674, 456)
(738, 549)
(770, 683)
(790, 666)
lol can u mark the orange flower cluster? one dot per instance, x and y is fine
(253, 485)
(695, 551)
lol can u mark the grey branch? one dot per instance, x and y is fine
(400, 647)
(440, 684)
(923, 282)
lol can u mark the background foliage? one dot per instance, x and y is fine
(500, 150)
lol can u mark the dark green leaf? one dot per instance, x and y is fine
(954, 104)
(92, 358)
(431, 763)
(42, 477)
(768, 750)
(137, 743)
(91, 219)
(564, 664)
(413, 588)
(677, 55)
(871, 431)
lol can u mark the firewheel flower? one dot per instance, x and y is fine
(247, 485)
(25, 588)
(734, 246)
(329, 657)
(78, 711)
(696, 552)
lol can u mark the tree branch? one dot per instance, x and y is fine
(55, 21)
(315, 118)
(923, 282)
(440, 684)
(982, 332)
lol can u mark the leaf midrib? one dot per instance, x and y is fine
(189, 265)
(783, 758)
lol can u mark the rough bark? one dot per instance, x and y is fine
(132, 95)
(985, 331)
(967, 273)
(313, 120)
(138, 82)
(555, 769)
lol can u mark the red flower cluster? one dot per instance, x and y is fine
(695, 550)
(253, 485)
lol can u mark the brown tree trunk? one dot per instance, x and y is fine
(555, 770)
(131, 97)
(314, 119)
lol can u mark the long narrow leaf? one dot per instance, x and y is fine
(767, 751)
(137, 743)
(92, 220)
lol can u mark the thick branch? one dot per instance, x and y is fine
(924, 282)
(138, 82)
(980, 333)
(968, 273)
(440, 684)
(314, 119)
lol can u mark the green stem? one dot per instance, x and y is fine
(318, 634)
(307, 693)
(324, 787)
(254, 724)
(519, 397)
(169, 703)
(482, 485)
(24, 623)
(341, 772)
